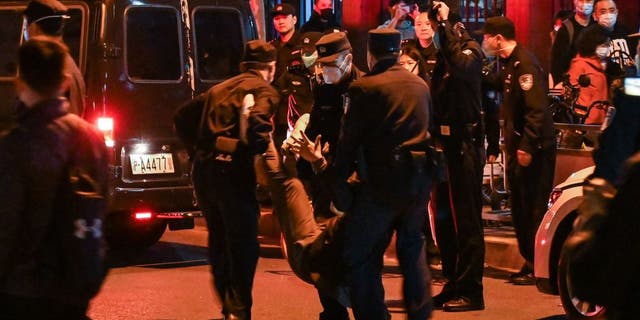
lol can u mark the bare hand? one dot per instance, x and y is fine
(310, 151)
(491, 159)
(524, 158)
(399, 12)
(443, 12)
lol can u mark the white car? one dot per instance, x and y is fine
(556, 225)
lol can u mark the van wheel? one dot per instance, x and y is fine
(121, 231)
(575, 308)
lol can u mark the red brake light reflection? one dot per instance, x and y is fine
(106, 126)
(553, 197)
(142, 215)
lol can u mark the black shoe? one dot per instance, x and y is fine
(524, 280)
(442, 297)
(462, 304)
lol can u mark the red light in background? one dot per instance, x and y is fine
(106, 126)
(143, 215)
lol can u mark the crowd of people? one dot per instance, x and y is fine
(349, 157)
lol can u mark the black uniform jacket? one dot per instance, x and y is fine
(317, 24)
(388, 108)
(33, 160)
(528, 123)
(456, 84)
(287, 51)
(223, 103)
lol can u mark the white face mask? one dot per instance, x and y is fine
(309, 59)
(602, 51)
(608, 20)
(585, 8)
(333, 74)
(488, 50)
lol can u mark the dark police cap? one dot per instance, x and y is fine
(384, 41)
(40, 9)
(331, 45)
(499, 25)
(283, 9)
(259, 51)
(309, 40)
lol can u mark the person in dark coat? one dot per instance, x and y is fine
(457, 200)
(322, 19)
(47, 18)
(34, 164)
(237, 128)
(529, 136)
(385, 128)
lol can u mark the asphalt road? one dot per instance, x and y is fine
(171, 280)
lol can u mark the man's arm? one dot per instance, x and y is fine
(260, 126)
(463, 54)
(535, 104)
(560, 55)
(350, 141)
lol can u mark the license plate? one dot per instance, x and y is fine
(156, 163)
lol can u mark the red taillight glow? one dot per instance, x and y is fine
(553, 197)
(105, 125)
(144, 215)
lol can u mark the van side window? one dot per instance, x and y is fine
(152, 49)
(218, 42)
(10, 35)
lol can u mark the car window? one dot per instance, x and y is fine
(218, 42)
(10, 34)
(152, 48)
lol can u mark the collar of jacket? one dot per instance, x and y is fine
(43, 111)
(383, 65)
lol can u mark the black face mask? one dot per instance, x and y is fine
(326, 14)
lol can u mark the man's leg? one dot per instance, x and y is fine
(410, 246)
(367, 230)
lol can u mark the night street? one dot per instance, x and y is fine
(171, 280)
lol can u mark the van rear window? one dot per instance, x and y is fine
(10, 34)
(218, 42)
(152, 49)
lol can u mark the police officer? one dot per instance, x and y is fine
(387, 116)
(335, 63)
(288, 40)
(237, 127)
(47, 18)
(529, 136)
(456, 87)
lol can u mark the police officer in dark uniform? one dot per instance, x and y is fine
(335, 62)
(456, 87)
(237, 127)
(296, 85)
(529, 136)
(387, 117)
(288, 42)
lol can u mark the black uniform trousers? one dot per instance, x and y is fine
(16, 307)
(530, 187)
(458, 219)
(226, 192)
(368, 227)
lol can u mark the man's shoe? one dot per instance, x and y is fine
(441, 298)
(524, 280)
(462, 304)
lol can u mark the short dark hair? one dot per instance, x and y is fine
(253, 65)
(589, 39)
(49, 15)
(407, 2)
(41, 65)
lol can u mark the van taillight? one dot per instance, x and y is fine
(105, 125)
(142, 215)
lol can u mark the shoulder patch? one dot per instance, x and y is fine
(526, 81)
(467, 51)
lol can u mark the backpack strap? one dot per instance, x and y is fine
(570, 29)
